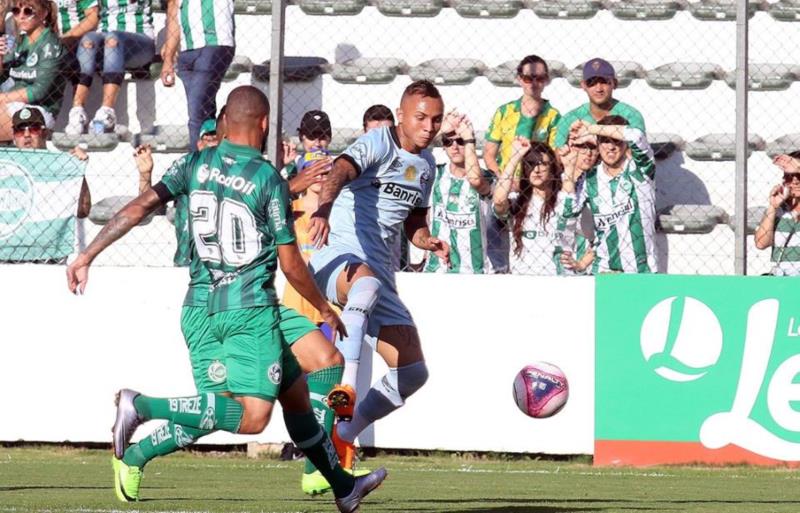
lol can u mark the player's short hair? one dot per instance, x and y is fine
(377, 113)
(613, 120)
(246, 104)
(795, 154)
(532, 59)
(423, 88)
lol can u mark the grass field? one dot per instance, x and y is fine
(56, 480)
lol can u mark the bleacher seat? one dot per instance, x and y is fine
(295, 69)
(165, 139)
(783, 145)
(627, 71)
(424, 8)
(754, 216)
(90, 142)
(644, 9)
(721, 146)
(104, 210)
(665, 145)
(720, 10)
(487, 8)
(565, 9)
(690, 218)
(684, 75)
(240, 64)
(505, 74)
(368, 70)
(448, 71)
(252, 7)
(767, 77)
(331, 7)
(785, 10)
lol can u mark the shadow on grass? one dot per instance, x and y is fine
(49, 487)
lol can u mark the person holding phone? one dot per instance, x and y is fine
(779, 226)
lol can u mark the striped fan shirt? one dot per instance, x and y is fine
(206, 23)
(786, 244)
(72, 12)
(126, 16)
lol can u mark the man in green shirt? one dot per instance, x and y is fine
(599, 82)
(242, 226)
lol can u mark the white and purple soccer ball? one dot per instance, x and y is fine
(540, 390)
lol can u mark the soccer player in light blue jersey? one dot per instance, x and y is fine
(381, 182)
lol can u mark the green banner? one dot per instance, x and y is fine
(712, 362)
(38, 201)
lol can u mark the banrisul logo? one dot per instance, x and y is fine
(16, 197)
(681, 338)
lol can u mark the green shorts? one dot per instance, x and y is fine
(258, 359)
(205, 350)
(294, 325)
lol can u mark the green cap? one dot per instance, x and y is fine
(209, 126)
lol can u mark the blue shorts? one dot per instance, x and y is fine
(326, 265)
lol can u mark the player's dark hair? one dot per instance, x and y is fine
(532, 158)
(246, 105)
(421, 88)
(613, 120)
(377, 113)
(531, 59)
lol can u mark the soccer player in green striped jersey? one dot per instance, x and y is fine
(620, 191)
(242, 227)
(459, 200)
(780, 226)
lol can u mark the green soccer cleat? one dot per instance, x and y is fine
(316, 484)
(127, 479)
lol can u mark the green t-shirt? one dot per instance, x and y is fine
(240, 212)
(36, 67)
(634, 117)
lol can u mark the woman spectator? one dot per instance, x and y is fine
(31, 70)
(540, 226)
(123, 41)
(781, 222)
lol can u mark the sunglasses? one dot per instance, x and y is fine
(25, 11)
(447, 141)
(529, 79)
(790, 177)
(585, 147)
(597, 80)
(609, 140)
(34, 130)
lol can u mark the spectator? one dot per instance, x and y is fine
(76, 18)
(779, 226)
(577, 158)
(207, 137)
(531, 117)
(599, 82)
(540, 215)
(204, 31)
(33, 65)
(123, 41)
(315, 135)
(30, 133)
(377, 116)
(459, 196)
(620, 192)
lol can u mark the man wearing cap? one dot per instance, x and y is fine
(599, 82)
(208, 134)
(315, 135)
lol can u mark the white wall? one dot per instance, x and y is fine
(65, 356)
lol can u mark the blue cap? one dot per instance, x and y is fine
(209, 126)
(598, 68)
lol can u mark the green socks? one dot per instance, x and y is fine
(205, 411)
(320, 384)
(165, 440)
(309, 438)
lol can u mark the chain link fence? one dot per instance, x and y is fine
(674, 63)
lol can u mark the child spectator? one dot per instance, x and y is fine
(123, 41)
(32, 70)
(779, 226)
(315, 135)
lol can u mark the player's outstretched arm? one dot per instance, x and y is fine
(122, 222)
(299, 277)
(343, 172)
(417, 231)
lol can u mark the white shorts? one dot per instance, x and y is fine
(13, 107)
(326, 265)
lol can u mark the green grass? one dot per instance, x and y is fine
(55, 480)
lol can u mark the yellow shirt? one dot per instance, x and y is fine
(508, 123)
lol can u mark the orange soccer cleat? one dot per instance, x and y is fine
(342, 400)
(345, 450)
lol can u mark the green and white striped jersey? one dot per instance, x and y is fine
(458, 219)
(126, 16)
(624, 210)
(71, 13)
(240, 212)
(786, 244)
(542, 243)
(206, 23)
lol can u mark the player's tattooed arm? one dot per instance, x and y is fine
(344, 171)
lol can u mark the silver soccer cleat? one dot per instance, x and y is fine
(361, 489)
(126, 423)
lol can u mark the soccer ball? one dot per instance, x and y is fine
(540, 390)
